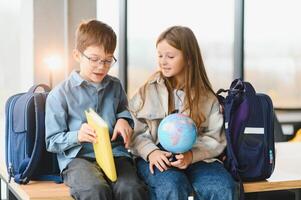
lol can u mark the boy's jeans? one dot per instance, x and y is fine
(202, 180)
(87, 181)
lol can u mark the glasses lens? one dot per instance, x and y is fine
(95, 62)
(105, 63)
(111, 63)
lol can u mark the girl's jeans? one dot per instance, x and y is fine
(204, 181)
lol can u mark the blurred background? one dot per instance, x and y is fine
(257, 40)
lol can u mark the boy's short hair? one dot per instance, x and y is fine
(95, 33)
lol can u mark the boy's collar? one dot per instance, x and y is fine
(77, 80)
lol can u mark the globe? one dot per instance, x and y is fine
(177, 133)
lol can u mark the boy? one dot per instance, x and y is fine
(67, 132)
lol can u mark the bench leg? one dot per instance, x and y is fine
(3, 193)
(11, 195)
(298, 194)
(251, 196)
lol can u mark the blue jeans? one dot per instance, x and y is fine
(202, 180)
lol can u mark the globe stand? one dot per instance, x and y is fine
(173, 158)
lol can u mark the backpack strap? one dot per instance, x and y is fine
(29, 165)
(234, 93)
(21, 106)
(227, 110)
(35, 87)
(232, 163)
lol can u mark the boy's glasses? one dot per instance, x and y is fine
(95, 62)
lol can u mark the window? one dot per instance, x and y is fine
(108, 12)
(212, 22)
(273, 49)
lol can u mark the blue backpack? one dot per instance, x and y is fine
(249, 125)
(26, 155)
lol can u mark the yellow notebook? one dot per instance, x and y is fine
(103, 148)
(297, 137)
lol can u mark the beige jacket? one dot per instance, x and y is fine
(211, 137)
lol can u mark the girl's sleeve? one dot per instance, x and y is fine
(211, 142)
(142, 143)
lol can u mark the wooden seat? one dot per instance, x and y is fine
(286, 176)
(35, 190)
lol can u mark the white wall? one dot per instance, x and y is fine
(31, 30)
(16, 52)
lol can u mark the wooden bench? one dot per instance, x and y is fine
(34, 190)
(286, 176)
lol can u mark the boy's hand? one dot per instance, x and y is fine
(86, 134)
(123, 128)
(183, 160)
(159, 159)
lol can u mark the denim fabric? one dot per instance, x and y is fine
(204, 181)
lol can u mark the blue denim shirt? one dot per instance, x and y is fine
(65, 108)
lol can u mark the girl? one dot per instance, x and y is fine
(181, 84)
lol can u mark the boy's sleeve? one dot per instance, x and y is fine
(211, 142)
(58, 137)
(122, 109)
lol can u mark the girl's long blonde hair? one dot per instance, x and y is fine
(197, 87)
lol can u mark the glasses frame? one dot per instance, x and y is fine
(100, 62)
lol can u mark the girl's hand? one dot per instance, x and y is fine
(159, 159)
(86, 134)
(123, 128)
(183, 160)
